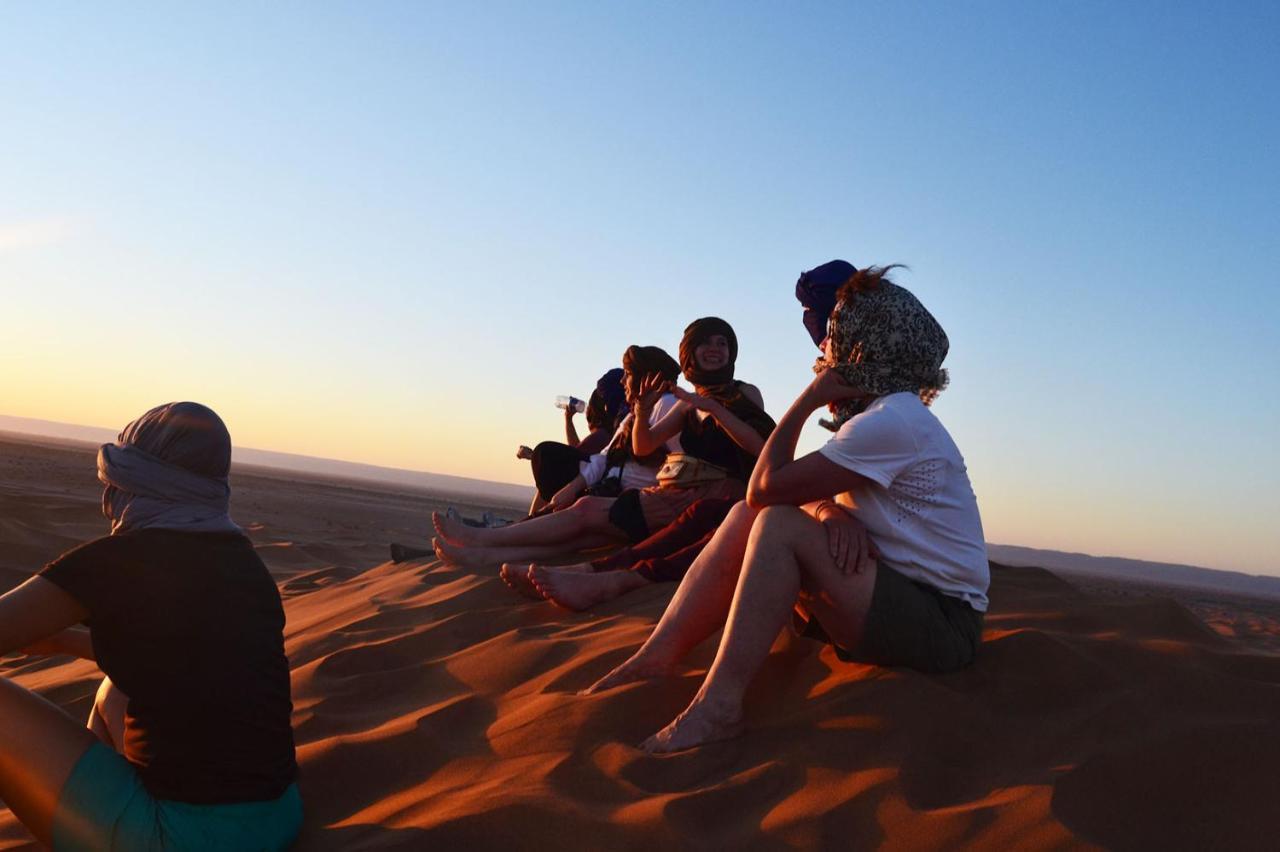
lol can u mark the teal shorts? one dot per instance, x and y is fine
(105, 806)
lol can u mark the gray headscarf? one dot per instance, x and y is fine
(884, 341)
(168, 470)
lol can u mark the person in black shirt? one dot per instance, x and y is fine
(189, 744)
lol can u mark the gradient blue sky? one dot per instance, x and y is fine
(391, 233)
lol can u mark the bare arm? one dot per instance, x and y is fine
(570, 429)
(742, 434)
(36, 611)
(779, 477)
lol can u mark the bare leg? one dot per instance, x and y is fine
(788, 551)
(698, 608)
(590, 515)
(485, 557)
(106, 719)
(577, 590)
(39, 746)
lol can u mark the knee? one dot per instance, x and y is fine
(783, 522)
(741, 511)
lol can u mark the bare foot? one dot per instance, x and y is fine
(577, 590)
(452, 530)
(640, 666)
(456, 554)
(699, 724)
(517, 577)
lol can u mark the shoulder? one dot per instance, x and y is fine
(752, 393)
(886, 423)
(107, 548)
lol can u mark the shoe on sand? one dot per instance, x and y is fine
(401, 553)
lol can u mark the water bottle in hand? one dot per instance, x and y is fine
(567, 402)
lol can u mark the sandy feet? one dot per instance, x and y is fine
(461, 555)
(641, 666)
(701, 723)
(453, 530)
(577, 589)
(516, 575)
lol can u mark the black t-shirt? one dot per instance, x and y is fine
(190, 627)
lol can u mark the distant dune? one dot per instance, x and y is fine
(1116, 568)
(505, 493)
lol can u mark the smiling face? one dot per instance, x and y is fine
(712, 353)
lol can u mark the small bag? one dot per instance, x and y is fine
(610, 486)
(682, 470)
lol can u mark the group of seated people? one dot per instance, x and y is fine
(872, 544)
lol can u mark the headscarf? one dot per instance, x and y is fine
(816, 290)
(168, 470)
(611, 399)
(641, 361)
(719, 384)
(884, 341)
(699, 332)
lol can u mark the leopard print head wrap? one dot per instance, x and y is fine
(883, 341)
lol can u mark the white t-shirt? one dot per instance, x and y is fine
(919, 507)
(633, 475)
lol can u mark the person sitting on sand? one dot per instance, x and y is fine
(189, 744)
(712, 463)
(666, 555)
(555, 464)
(899, 577)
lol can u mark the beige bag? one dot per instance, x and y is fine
(682, 470)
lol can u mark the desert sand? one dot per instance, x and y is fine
(436, 709)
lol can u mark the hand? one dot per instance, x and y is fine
(523, 452)
(828, 387)
(569, 412)
(652, 387)
(697, 400)
(564, 498)
(851, 547)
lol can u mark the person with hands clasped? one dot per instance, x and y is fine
(872, 543)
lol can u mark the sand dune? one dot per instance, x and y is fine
(436, 709)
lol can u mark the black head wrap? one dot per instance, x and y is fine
(613, 397)
(699, 332)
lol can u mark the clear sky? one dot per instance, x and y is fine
(392, 233)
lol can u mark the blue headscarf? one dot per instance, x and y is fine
(816, 290)
(613, 397)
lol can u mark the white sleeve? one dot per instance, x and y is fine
(664, 404)
(877, 444)
(595, 467)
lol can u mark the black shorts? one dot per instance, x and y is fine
(910, 624)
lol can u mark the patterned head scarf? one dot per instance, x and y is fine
(698, 332)
(168, 470)
(884, 341)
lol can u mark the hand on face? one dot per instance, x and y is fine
(828, 387)
(651, 389)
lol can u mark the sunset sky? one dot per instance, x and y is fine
(392, 233)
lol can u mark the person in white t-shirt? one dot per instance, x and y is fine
(874, 541)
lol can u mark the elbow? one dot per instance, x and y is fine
(759, 496)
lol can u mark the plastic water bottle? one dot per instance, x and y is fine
(573, 402)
